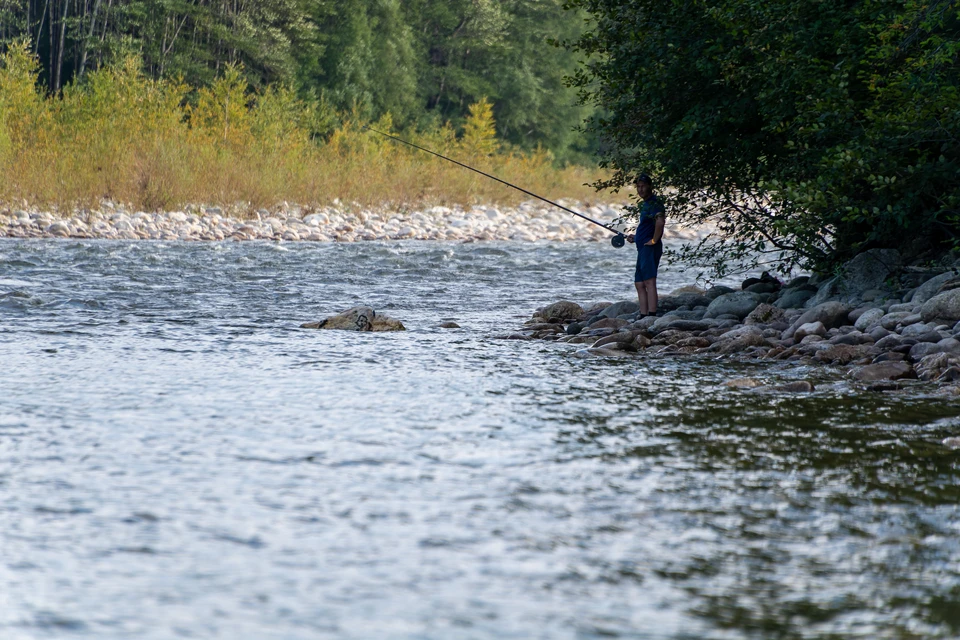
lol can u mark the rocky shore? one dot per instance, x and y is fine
(528, 221)
(888, 324)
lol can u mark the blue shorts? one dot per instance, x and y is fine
(648, 260)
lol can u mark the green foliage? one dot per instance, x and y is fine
(423, 61)
(124, 135)
(806, 131)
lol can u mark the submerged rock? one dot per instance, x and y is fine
(743, 383)
(357, 319)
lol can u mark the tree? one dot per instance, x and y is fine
(805, 131)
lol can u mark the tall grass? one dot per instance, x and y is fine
(128, 138)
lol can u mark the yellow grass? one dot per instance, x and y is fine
(124, 137)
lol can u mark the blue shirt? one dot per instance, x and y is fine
(651, 209)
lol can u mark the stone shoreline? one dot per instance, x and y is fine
(529, 221)
(885, 323)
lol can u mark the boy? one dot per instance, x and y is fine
(649, 247)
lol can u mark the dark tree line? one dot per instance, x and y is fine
(808, 131)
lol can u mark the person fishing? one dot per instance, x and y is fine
(647, 237)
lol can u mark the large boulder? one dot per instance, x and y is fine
(738, 303)
(564, 309)
(869, 320)
(355, 319)
(889, 370)
(931, 287)
(716, 291)
(828, 290)
(943, 308)
(765, 314)
(795, 297)
(869, 270)
(619, 309)
(831, 314)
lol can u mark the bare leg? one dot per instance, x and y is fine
(642, 297)
(651, 299)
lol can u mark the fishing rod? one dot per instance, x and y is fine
(617, 240)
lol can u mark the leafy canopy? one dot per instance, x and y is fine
(805, 131)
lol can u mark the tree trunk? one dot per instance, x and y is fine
(63, 34)
(86, 42)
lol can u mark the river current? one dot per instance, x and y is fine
(179, 460)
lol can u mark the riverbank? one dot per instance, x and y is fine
(888, 325)
(528, 221)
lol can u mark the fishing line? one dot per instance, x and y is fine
(617, 240)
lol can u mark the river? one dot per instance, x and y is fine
(179, 459)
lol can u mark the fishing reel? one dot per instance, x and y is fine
(618, 241)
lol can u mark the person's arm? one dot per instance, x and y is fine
(658, 230)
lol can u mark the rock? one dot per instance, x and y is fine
(800, 386)
(619, 309)
(355, 319)
(608, 323)
(878, 333)
(716, 291)
(931, 336)
(574, 328)
(809, 329)
(384, 323)
(595, 309)
(598, 353)
(923, 349)
(763, 287)
(871, 295)
(917, 329)
(738, 304)
(794, 298)
(829, 290)
(890, 320)
(622, 337)
(449, 325)
(889, 356)
(765, 314)
(868, 320)
(942, 308)
(931, 287)
(913, 318)
(689, 300)
(640, 341)
(692, 289)
(564, 309)
(843, 353)
(696, 342)
(907, 307)
(743, 383)
(831, 314)
(869, 270)
(889, 370)
(680, 324)
(848, 338)
(932, 366)
(952, 443)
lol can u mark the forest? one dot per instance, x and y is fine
(422, 61)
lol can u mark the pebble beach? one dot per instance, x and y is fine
(527, 222)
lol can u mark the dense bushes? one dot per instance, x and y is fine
(124, 136)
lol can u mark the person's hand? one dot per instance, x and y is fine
(630, 238)
(651, 243)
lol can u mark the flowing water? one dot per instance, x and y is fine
(179, 459)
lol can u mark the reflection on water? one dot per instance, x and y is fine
(177, 458)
